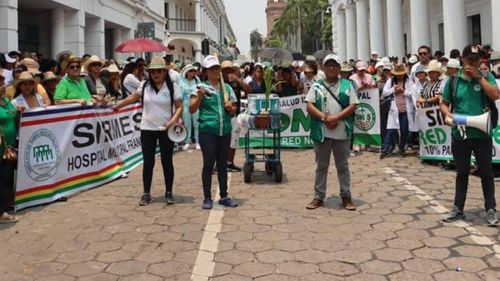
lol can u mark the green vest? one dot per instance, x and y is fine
(214, 119)
(317, 127)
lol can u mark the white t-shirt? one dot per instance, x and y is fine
(131, 83)
(157, 108)
(174, 76)
(21, 101)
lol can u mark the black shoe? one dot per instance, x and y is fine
(454, 215)
(145, 199)
(233, 168)
(384, 155)
(207, 204)
(169, 198)
(227, 202)
(402, 154)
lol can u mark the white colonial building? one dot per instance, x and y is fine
(399, 27)
(193, 23)
(81, 26)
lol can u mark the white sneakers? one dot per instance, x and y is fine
(198, 147)
(186, 147)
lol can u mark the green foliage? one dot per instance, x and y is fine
(256, 42)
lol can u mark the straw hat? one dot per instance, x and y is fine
(187, 68)
(70, 60)
(435, 66)
(91, 60)
(112, 68)
(345, 67)
(31, 65)
(48, 76)
(157, 63)
(226, 64)
(23, 77)
(399, 69)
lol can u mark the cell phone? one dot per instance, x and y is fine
(207, 93)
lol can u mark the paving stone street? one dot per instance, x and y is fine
(395, 234)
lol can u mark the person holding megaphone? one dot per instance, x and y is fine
(161, 109)
(468, 96)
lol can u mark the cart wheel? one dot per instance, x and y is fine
(269, 168)
(247, 172)
(278, 172)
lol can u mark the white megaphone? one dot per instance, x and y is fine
(176, 133)
(481, 122)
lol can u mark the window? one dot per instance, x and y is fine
(474, 29)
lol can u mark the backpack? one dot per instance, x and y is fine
(146, 83)
(488, 103)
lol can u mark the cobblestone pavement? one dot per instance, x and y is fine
(396, 233)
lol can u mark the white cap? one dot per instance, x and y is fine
(331, 57)
(374, 53)
(453, 63)
(8, 59)
(413, 59)
(211, 61)
(379, 64)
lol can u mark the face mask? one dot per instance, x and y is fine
(485, 73)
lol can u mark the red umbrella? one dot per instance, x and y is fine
(140, 45)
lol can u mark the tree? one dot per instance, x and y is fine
(313, 18)
(256, 42)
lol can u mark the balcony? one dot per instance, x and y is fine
(182, 25)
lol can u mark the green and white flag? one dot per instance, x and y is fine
(367, 118)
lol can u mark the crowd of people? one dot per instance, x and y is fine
(193, 93)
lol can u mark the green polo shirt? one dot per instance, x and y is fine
(69, 89)
(8, 115)
(470, 100)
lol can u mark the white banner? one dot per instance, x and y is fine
(367, 118)
(66, 149)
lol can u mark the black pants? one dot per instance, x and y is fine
(3, 193)
(214, 149)
(149, 140)
(482, 149)
(6, 185)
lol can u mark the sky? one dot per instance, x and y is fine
(245, 16)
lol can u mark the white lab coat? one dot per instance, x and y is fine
(393, 119)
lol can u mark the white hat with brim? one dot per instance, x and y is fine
(435, 66)
(211, 61)
(25, 76)
(453, 63)
(379, 64)
(413, 59)
(49, 76)
(112, 68)
(8, 59)
(186, 69)
(330, 57)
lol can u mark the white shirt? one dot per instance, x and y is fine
(9, 78)
(174, 76)
(131, 83)
(21, 101)
(157, 107)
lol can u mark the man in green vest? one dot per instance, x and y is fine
(331, 105)
(470, 93)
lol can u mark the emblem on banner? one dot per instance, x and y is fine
(365, 117)
(42, 155)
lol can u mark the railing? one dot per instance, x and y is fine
(180, 25)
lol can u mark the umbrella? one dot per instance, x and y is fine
(321, 54)
(277, 56)
(298, 56)
(140, 45)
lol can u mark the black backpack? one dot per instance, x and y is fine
(488, 103)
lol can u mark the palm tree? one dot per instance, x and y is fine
(256, 42)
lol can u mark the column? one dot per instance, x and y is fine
(455, 25)
(197, 16)
(395, 38)
(9, 40)
(117, 40)
(351, 43)
(341, 36)
(57, 21)
(495, 36)
(362, 33)
(198, 56)
(420, 27)
(74, 38)
(94, 37)
(377, 38)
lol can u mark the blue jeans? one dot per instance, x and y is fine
(392, 134)
(190, 121)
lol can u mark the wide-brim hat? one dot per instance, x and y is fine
(157, 63)
(399, 69)
(345, 67)
(91, 60)
(23, 77)
(112, 68)
(453, 63)
(186, 69)
(49, 76)
(226, 64)
(70, 60)
(435, 66)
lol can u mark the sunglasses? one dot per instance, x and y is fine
(74, 66)
(423, 54)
